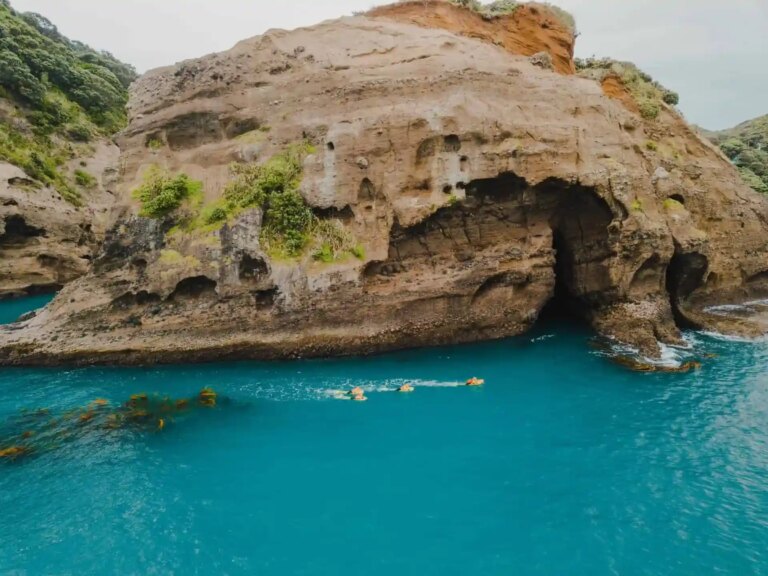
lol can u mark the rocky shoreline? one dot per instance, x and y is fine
(477, 187)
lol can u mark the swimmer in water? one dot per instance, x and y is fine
(357, 391)
(359, 398)
(405, 388)
(475, 382)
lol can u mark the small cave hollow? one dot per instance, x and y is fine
(686, 273)
(18, 232)
(133, 299)
(451, 143)
(194, 288)
(252, 269)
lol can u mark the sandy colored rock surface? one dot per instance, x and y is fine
(479, 185)
(45, 241)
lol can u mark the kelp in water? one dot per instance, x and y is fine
(37, 431)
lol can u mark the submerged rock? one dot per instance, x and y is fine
(486, 184)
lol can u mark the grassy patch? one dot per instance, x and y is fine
(333, 242)
(84, 179)
(647, 93)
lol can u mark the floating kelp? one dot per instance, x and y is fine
(35, 431)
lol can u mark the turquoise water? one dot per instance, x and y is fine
(564, 463)
(10, 310)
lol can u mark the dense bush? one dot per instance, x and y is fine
(65, 94)
(747, 147)
(160, 194)
(35, 57)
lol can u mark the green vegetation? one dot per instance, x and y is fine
(55, 96)
(35, 59)
(505, 7)
(161, 193)
(648, 93)
(652, 146)
(747, 147)
(289, 228)
(154, 144)
(333, 241)
(84, 179)
(671, 204)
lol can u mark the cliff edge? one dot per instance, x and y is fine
(369, 184)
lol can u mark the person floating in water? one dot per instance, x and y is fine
(405, 388)
(475, 382)
(356, 391)
(361, 397)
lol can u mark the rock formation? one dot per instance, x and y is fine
(60, 101)
(46, 241)
(478, 185)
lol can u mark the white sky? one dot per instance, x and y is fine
(712, 52)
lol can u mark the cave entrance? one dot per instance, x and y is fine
(579, 222)
(685, 273)
(564, 306)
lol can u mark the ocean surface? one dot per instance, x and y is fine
(563, 463)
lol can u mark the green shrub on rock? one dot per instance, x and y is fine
(84, 179)
(161, 193)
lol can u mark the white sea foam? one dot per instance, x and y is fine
(733, 337)
(388, 386)
(543, 338)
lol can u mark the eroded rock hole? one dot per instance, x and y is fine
(18, 232)
(194, 288)
(451, 143)
(132, 299)
(685, 273)
(193, 130)
(252, 269)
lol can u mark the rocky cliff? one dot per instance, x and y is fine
(465, 186)
(59, 103)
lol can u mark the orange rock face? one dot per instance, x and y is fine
(527, 31)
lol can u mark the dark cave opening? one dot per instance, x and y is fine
(685, 273)
(18, 232)
(579, 223)
(564, 306)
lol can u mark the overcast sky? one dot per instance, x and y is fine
(712, 52)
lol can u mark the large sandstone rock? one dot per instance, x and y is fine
(477, 182)
(45, 241)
